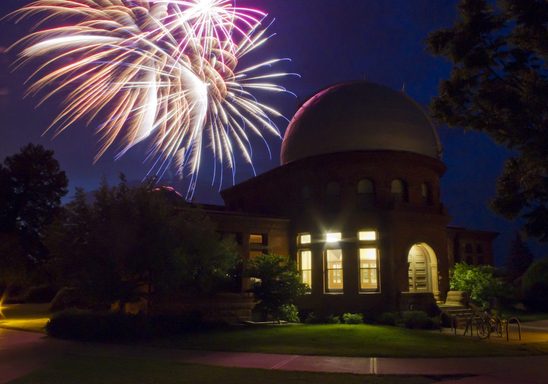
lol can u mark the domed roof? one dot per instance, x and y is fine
(359, 116)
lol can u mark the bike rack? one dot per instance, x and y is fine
(512, 320)
(469, 325)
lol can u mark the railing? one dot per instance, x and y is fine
(512, 320)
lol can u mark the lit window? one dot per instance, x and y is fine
(305, 267)
(258, 244)
(255, 239)
(333, 237)
(369, 276)
(367, 235)
(333, 270)
(305, 238)
(255, 253)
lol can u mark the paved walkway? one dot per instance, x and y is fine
(23, 352)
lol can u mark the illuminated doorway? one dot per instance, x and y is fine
(423, 269)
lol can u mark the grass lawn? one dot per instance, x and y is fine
(25, 317)
(82, 370)
(349, 340)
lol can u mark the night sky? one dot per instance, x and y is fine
(329, 41)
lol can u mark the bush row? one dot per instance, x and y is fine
(408, 319)
(115, 326)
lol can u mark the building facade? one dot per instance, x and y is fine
(356, 203)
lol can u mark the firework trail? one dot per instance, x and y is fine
(162, 70)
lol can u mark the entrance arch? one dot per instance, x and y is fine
(423, 269)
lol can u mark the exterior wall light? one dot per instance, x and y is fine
(333, 237)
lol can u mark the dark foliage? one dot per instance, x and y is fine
(133, 242)
(278, 283)
(388, 318)
(419, 320)
(40, 294)
(322, 318)
(31, 188)
(499, 85)
(535, 285)
(519, 259)
(115, 326)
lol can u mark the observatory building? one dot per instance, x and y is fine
(356, 203)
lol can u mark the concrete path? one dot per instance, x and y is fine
(23, 352)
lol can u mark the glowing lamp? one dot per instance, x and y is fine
(333, 237)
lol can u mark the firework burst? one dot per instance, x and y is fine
(167, 71)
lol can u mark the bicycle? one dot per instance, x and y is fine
(487, 324)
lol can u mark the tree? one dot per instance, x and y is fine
(134, 242)
(535, 285)
(519, 259)
(499, 86)
(479, 281)
(278, 283)
(30, 196)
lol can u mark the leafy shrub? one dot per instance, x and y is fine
(278, 283)
(311, 318)
(419, 320)
(66, 298)
(479, 281)
(388, 318)
(116, 326)
(40, 294)
(535, 285)
(290, 313)
(332, 319)
(322, 319)
(352, 318)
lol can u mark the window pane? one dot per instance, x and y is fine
(305, 238)
(255, 239)
(334, 275)
(253, 254)
(367, 235)
(368, 269)
(306, 278)
(306, 260)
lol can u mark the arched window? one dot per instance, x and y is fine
(426, 193)
(366, 193)
(398, 189)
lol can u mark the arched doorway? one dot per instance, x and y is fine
(423, 269)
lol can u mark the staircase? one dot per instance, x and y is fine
(455, 310)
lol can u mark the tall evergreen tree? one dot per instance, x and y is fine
(499, 85)
(31, 187)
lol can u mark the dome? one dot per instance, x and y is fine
(359, 116)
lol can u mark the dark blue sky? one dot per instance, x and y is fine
(329, 41)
